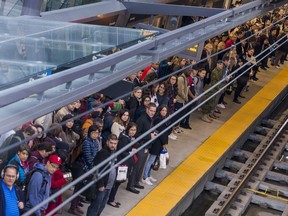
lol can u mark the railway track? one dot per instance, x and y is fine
(257, 173)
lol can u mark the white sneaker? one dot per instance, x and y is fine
(152, 179)
(222, 106)
(172, 136)
(147, 181)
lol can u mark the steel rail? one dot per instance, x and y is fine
(239, 187)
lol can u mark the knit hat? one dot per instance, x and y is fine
(115, 106)
(55, 159)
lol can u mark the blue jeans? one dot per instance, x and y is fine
(150, 161)
(97, 205)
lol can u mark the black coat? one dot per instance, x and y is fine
(144, 123)
(123, 141)
(102, 155)
(161, 140)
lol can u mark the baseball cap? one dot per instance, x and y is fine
(55, 159)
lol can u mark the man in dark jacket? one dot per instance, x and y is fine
(105, 184)
(11, 199)
(144, 123)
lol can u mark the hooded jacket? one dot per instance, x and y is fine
(37, 193)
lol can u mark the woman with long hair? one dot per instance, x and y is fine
(125, 138)
(120, 122)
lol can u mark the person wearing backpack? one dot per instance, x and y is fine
(39, 185)
(11, 199)
(18, 137)
(20, 160)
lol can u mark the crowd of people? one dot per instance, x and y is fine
(62, 142)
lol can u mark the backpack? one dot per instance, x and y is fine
(4, 155)
(28, 177)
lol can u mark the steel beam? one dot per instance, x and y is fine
(171, 10)
(85, 13)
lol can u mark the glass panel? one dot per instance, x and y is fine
(57, 4)
(32, 48)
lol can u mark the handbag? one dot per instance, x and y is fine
(156, 164)
(164, 159)
(122, 173)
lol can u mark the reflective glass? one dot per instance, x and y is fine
(31, 48)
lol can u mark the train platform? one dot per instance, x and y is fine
(177, 179)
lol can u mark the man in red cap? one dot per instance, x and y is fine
(40, 184)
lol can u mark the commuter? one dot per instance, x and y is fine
(53, 137)
(11, 198)
(40, 135)
(199, 84)
(64, 111)
(172, 90)
(125, 138)
(67, 134)
(18, 137)
(40, 184)
(77, 126)
(57, 182)
(282, 48)
(90, 120)
(241, 81)
(144, 123)
(225, 75)
(4, 136)
(109, 118)
(45, 121)
(137, 81)
(231, 41)
(105, 184)
(182, 98)
(161, 94)
(153, 94)
(220, 50)
(40, 154)
(90, 146)
(179, 64)
(208, 108)
(134, 102)
(146, 99)
(152, 73)
(120, 123)
(20, 161)
(165, 67)
(160, 142)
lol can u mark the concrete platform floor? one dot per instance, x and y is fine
(186, 143)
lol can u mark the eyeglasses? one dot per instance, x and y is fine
(10, 176)
(56, 167)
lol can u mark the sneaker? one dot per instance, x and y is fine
(222, 106)
(172, 136)
(147, 181)
(152, 179)
(278, 67)
(205, 118)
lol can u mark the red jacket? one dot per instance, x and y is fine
(57, 182)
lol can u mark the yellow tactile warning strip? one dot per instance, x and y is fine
(170, 191)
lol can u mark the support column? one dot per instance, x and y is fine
(31, 7)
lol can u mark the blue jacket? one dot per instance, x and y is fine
(2, 198)
(35, 194)
(89, 151)
(22, 170)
